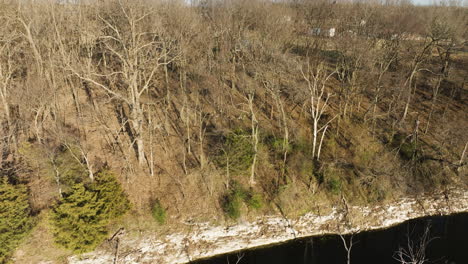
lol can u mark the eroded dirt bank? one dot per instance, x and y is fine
(205, 240)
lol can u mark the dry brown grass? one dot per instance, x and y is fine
(217, 57)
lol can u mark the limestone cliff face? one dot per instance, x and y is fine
(205, 240)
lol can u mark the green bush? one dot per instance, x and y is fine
(78, 223)
(15, 217)
(406, 148)
(334, 185)
(158, 212)
(275, 144)
(232, 201)
(110, 195)
(237, 152)
(255, 201)
(232, 205)
(236, 196)
(80, 220)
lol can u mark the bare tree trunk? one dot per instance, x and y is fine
(228, 176)
(117, 247)
(254, 128)
(463, 154)
(410, 93)
(32, 43)
(315, 132)
(348, 248)
(321, 141)
(36, 124)
(74, 93)
(88, 164)
(56, 176)
(201, 119)
(6, 107)
(137, 124)
(151, 129)
(434, 99)
(285, 137)
(138, 56)
(415, 67)
(6, 72)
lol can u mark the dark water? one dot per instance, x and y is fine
(449, 245)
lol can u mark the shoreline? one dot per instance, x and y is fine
(207, 241)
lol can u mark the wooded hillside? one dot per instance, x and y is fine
(223, 110)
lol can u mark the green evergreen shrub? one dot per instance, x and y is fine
(334, 185)
(110, 195)
(237, 152)
(236, 196)
(232, 205)
(406, 148)
(232, 201)
(158, 212)
(15, 217)
(80, 220)
(255, 201)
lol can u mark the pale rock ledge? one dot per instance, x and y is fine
(205, 240)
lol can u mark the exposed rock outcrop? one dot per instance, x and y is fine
(206, 240)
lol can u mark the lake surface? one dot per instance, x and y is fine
(449, 245)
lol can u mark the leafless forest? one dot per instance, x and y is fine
(227, 109)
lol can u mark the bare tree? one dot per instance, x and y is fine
(239, 256)
(420, 55)
(254, 132)
(77, 147)
(28, 35)
(386, 54)
(445, 39)
(414, 252)
(133, 56)
(348, 247)
(318, 102)
(273, 87)
(7, 51)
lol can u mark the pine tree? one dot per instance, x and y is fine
(15, 218)
(82, 217)
(78, 226)
(110, 194)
